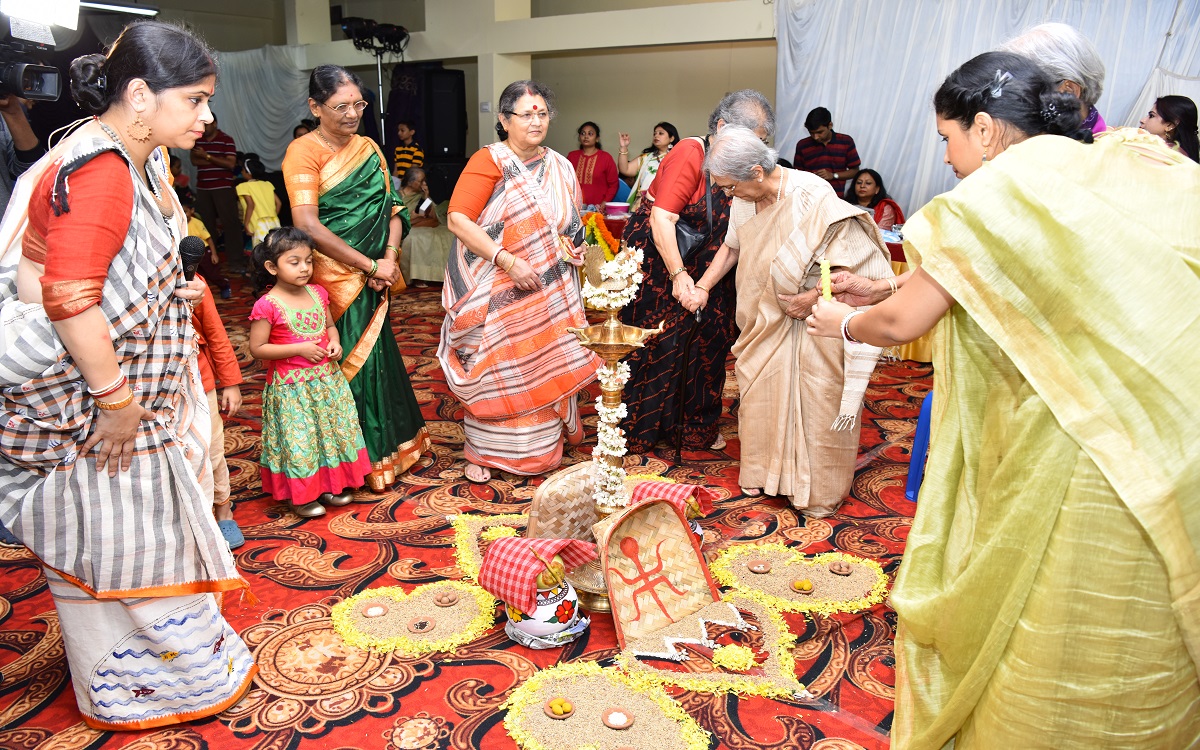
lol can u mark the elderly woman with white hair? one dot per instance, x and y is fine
(1071, 60)
(800, 395)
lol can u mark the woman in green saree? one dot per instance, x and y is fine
(341, 194)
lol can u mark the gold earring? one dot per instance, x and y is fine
(138, 130)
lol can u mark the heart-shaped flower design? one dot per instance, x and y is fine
(597, 694)
(415, 622)
(795, 582)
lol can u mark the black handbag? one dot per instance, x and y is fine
(687, 238)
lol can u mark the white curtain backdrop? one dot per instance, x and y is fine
(262, 94)
(875, 65)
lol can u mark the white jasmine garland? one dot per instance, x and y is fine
(626, 268)
(610, 441)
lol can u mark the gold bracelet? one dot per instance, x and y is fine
(675, 273)
(699, 286)
(115, 405)
(392, 247)
(512, 262)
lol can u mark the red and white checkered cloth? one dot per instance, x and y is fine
(678, 495)
(510, 566)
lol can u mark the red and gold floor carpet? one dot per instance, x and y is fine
(313, 691)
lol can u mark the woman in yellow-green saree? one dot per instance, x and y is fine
(342, 195)
(1049, 594)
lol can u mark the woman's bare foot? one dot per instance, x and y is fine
(477, 474)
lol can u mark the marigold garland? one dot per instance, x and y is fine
(341, 615)
(693, 735)
(470, 528)
(598, 234)
(722, 571)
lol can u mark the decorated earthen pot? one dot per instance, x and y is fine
(557, 608)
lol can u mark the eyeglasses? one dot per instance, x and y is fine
(728, 189)
(528, 117)
(343, 109)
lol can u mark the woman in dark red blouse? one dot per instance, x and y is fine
(594, 168)
(658, 378)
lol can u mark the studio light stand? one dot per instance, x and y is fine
(379, 39)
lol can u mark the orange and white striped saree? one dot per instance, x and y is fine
(507, 354)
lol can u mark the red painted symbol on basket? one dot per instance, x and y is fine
(143, 692)
(220, 642)
(649, 579)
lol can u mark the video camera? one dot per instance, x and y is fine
(21, 73)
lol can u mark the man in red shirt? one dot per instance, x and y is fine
(829, 155)
(215, 158)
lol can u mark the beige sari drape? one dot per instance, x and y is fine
(795, 387)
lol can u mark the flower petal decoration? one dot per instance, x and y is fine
(356, 619)
(472, 534)
(865, 586)
(660, 722)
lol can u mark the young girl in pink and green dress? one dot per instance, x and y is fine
(312, 447)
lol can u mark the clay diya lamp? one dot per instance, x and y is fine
(421, 625)
(371, 611)
(803, 586)
(758, 566)
(558, 708)
(617, 717)
(840, 568)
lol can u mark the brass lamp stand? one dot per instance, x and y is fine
(612, 340)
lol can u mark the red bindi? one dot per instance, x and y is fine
(535, 108)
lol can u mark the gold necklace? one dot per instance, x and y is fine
(325, 140)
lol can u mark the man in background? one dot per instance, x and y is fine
(19, 146)
(829, 155)
(215, 159)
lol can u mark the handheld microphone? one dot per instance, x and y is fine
(191, 252)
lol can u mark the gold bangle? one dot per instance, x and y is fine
(512, 262)
(115, 405)
(675, 273)
(699, 286)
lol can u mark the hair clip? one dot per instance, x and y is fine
(1049, 112)
(102, 82)
(996, 87)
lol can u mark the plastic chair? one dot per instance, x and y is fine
(623, 192)
(916, 462)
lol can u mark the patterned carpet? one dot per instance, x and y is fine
(313, 691)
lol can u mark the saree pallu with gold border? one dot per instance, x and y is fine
(354, 197)
(135, 562)
(1049, 594)
(506, 353)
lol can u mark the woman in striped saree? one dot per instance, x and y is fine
(341, 194)
(104, 425)
(510, 294)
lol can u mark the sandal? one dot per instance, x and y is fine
(717, 444)
(750, 491)
(482, 475)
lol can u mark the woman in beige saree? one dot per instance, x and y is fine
(800, 395)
